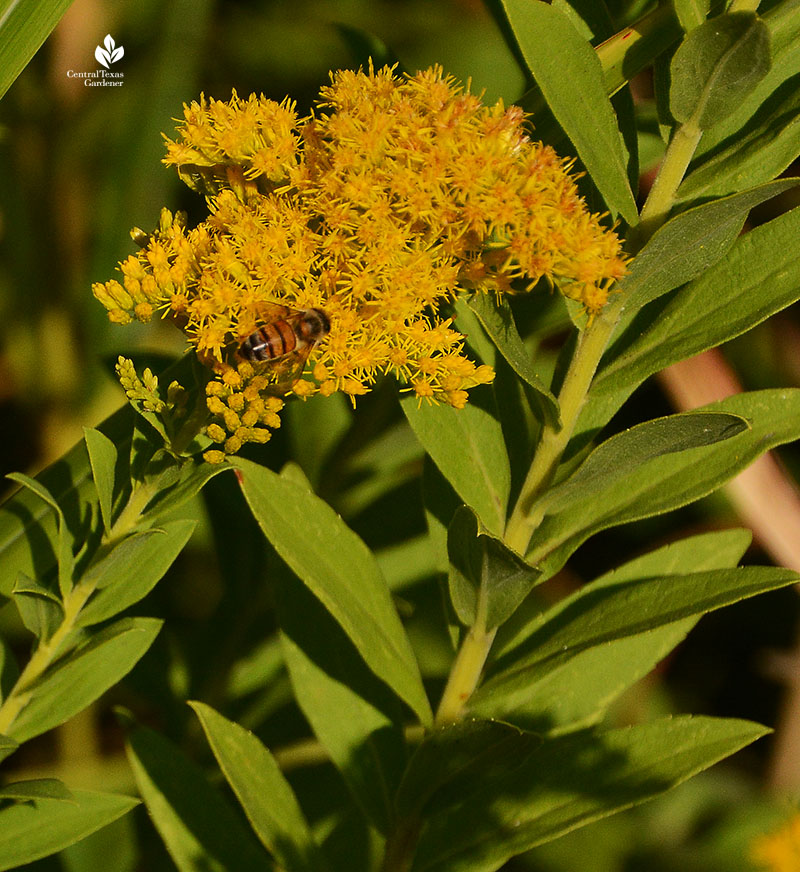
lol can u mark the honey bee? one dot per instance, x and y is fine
(285, 341)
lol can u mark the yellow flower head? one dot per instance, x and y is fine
(394, 194)
(779, 851)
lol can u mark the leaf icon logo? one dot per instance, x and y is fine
(110, 54)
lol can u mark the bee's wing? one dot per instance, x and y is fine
(285, 371)
(266, 313)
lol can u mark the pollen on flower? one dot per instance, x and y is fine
(394, 194)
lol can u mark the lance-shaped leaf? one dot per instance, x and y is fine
(340, 571)
(78, 680)
(199, 827)
(263, 791)
(103, 460)
(571, 781)
(671, 480)
(468, 448)
(40, 609)
(498, 321)
(688, 244)
(30, 830)
(64, 558)
(550, 45)
(454, 757)
(356, 718)
(607, 610)
(621, 455)
(483, 570)
(579, 691)
(716, 66)
(132, 569)
(759, 276)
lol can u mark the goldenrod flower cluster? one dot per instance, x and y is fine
(394, 194)
(779, 851)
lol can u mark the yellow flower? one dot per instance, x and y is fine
(396, 193)
(779, 851)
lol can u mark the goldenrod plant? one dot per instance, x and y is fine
(411, 278)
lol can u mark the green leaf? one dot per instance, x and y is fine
(354, 715)
(132, 569)
(784, 26)
(191, 479)
(759, 276)
(467, 446)
(78, 680)
(716, 66)
(7, 747)
(550, 45)
(199, 827)
(340, 571)
(24, 26)
(40, 609)
(263, 791)
(103, 460)
(688, 244)
(721, 549)
(767, 145)
(608, 609)
(66, 562)
(27, 524)
(455, 755)
(619, 457)
(579, 691)
(479, 562)
(673, 480)
(36, 788)
(30, 830)
(498, 321)
(569, 782)
(9, 670)
(691, 13)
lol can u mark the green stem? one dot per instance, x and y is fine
(525, 517)
(400, 846)
(46, 652)
(661, 198)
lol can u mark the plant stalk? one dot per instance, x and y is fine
(74, 601)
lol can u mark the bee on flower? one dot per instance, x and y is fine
(393, 195)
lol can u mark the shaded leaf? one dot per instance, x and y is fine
(36, 788)
(482, 566)
(716, 66)
(609, 609)
(30, 830)
(66, 562)
(688, 244)
(132, 569)
(455, 755)
(621, 455)
(354, 715)
(498, 321)
(40, 609)
(340, 571)
(199, 827)
(78, 680)
(467, 446)
(673, 480)
(571, 781)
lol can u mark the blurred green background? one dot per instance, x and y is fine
(80, 166)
